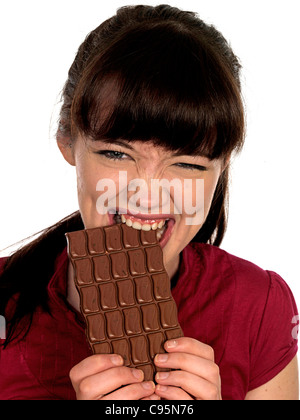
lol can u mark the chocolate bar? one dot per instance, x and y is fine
(124, 292)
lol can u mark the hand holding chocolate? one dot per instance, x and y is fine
(124, 292)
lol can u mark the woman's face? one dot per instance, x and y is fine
(151, 187)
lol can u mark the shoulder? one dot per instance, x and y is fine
(212, 254)
(260, 299)
(8, 307)
(245, 274)
(262, 308)
(2, 263)
(251, 285)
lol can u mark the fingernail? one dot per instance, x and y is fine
(162, 388)
(117, 360)
(148, 385)
(138, 374)
(162, 375)
(162, 358)
(154, 397)
(171, 344)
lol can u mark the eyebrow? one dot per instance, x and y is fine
(199, 154)
(194, 155)
(119, 143)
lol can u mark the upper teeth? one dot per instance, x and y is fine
(142, 226)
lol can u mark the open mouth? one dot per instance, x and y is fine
(162, 226)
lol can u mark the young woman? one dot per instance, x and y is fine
(153, 93)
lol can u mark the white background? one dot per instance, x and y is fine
(39, 40)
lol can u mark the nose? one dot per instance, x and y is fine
(154, 196)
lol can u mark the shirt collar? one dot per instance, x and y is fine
(58, 288)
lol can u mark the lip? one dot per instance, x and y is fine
(144, 217)
(167, 234)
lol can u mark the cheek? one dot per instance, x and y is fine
(89, 173)
(87, 178)
(209, 190)
(198, 194)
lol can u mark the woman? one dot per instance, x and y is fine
(153, 93)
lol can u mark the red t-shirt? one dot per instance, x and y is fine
(245, 313)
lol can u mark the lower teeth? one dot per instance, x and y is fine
(117, 218)
(158, 236)
(160, 232)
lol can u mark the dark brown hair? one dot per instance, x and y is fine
(155, 74)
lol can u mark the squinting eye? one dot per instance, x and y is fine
(112, 154)
(191, 167)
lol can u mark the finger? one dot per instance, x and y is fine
(153, 397)
(205, 368)
(190, 383)
(171, 393)
(139, 391)
(190, 345)
(96, 386)
(93, 365)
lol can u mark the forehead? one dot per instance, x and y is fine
(144, 147)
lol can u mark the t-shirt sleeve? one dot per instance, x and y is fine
(276, 342)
